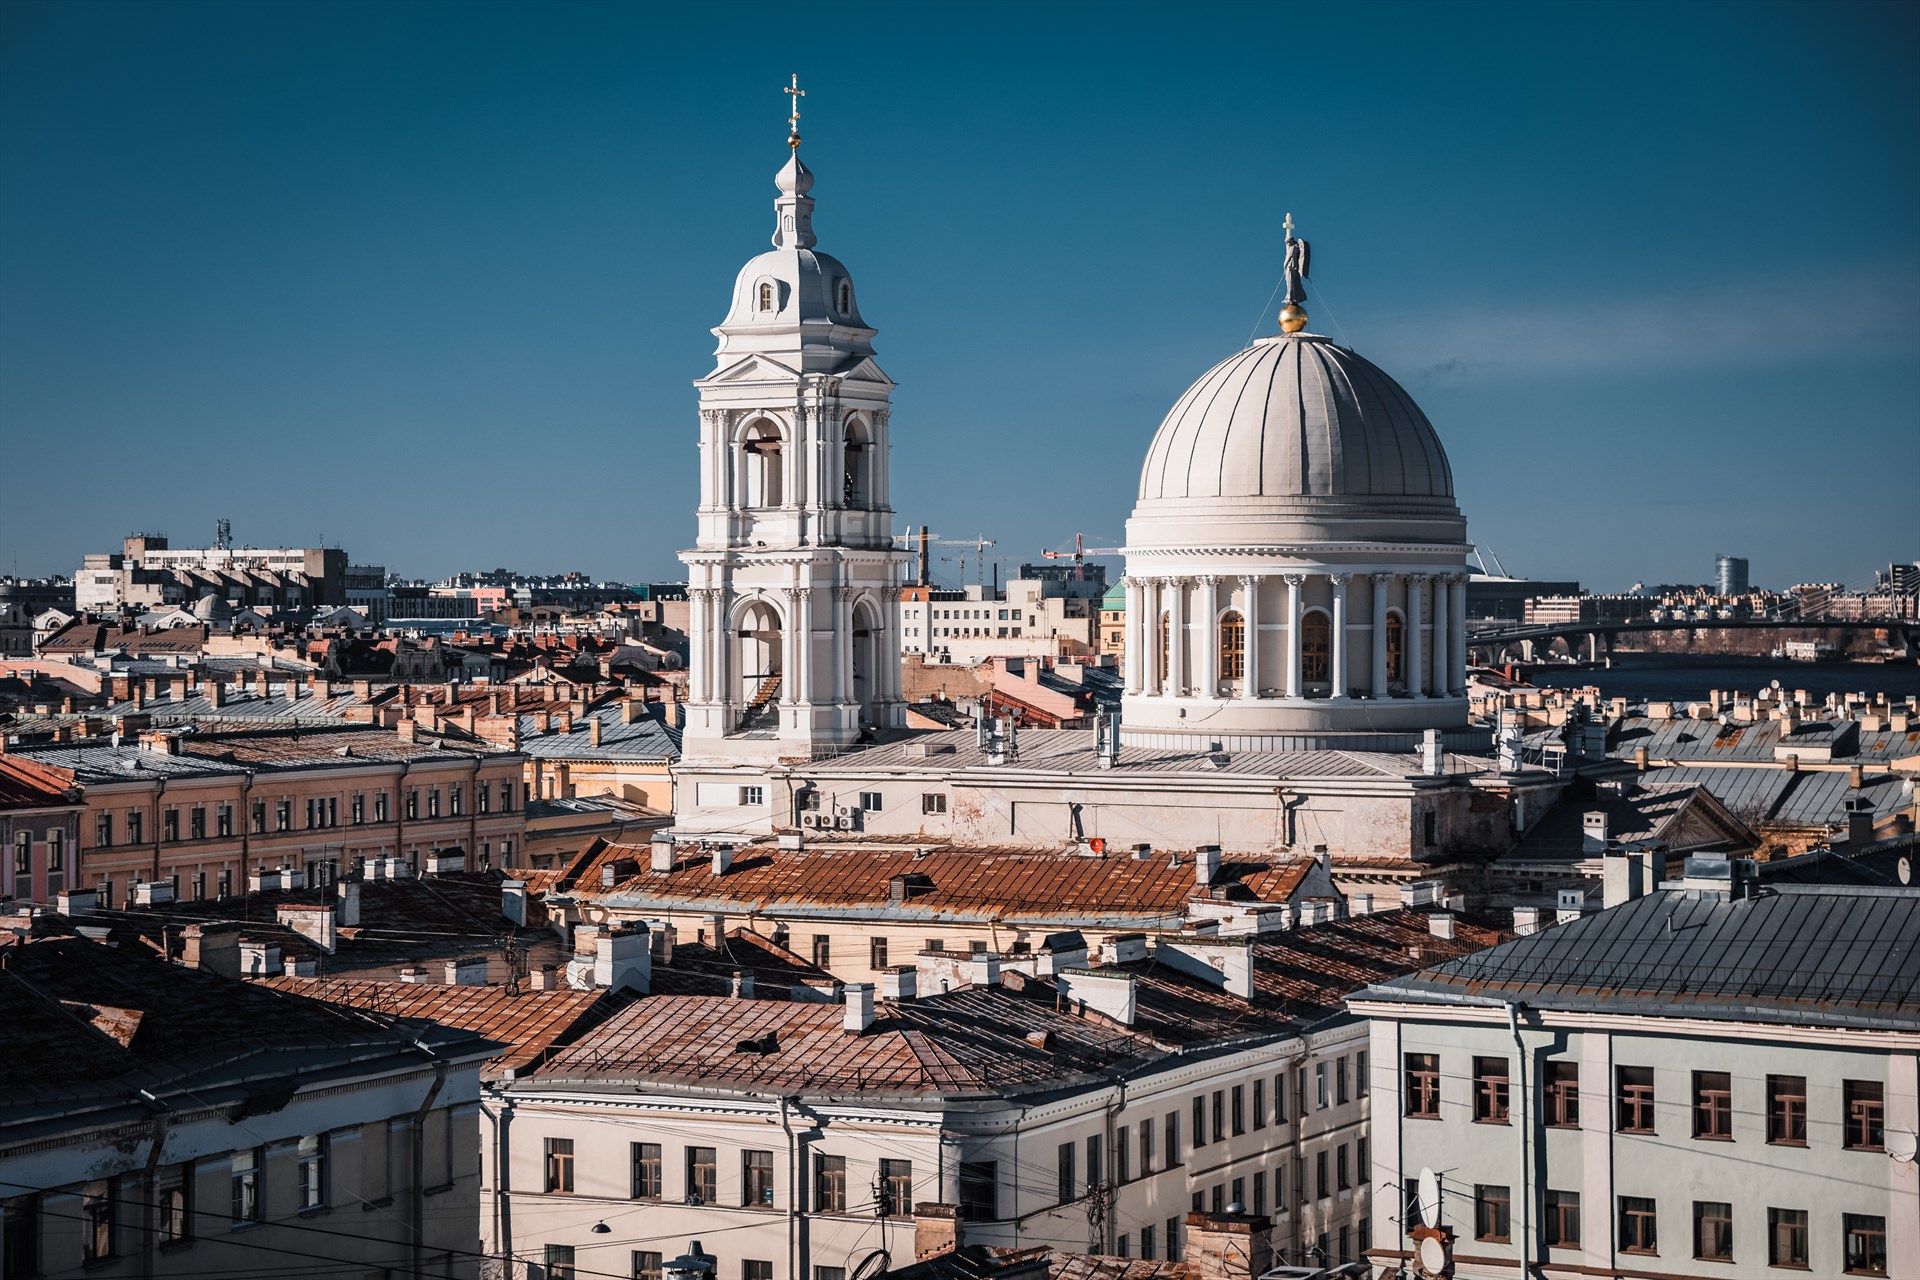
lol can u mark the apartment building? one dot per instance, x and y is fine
(1061, 1104)
(39, 830)
(205, 811)
(161, 1120)
(1707, 1080)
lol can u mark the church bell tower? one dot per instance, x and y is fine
(793, 582)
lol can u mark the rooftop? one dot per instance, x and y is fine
(1808, 955)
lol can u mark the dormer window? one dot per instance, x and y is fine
(766, 295)
(846, 298)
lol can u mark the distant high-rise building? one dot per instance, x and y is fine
(1730, 575)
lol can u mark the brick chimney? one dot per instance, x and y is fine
(937, 1228)
(593, 730)
(214, 948)
(1230, 1246)
(216, 693)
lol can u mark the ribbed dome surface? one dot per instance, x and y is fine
(1293, 417)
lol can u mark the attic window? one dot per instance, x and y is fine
(766, 295)
(846, 298)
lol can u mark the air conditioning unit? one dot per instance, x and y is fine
(814, 820)
(844, 824)
(842, 811)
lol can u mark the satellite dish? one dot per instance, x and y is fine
(1433, 1255)
(1776, 684)
(1906, 869)
(1901, 1145)
(1429, 1198)
(874, 1264)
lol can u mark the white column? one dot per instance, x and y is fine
(1207, 668)
(806, 691)
(789, 647)
(843, 642)
(700, 644)
(1250, 587)
(1379, 635)
(1136, 599)
(1441, 634)
(1416, 682)
(890, 649)
(1294, 582)
(1177, 631)
(722, 646)
(1338, 668)
(1457, 676)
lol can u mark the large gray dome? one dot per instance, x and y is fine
(1296, 417)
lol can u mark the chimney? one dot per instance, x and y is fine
(1623, 879)
(214, 948)
(983, 969)
(1433, 756)
(1206, 863)
(1856, 776)
(661, 848)
(545, 978)
(1229, 1246)
(857, 1017)
(77, 902)
(1859, 821)
(413, 973)
(722, 858)
(467, 971)
(1640, 759)
(937, 1228)
(513, 901)
(1440, 925)
(1593, 831)
(347, 907)
(216, 693)
(901, 982)
(1126, 948)
(593, 730)
(1109, 994)
(1526, 921)
(624, 959)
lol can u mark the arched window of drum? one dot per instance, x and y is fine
(1396, 648)
(766, 296)
(1166, 641)
(1316, 643)
(1233, 646)
(846, 298)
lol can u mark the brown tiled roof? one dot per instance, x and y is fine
(528, 1024)
(27, 784)
(702, 970)
(987, 882)
(279, 747)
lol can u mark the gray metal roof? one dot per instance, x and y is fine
(1812, 955)
(649, 738)
(1709, 741)
(1780, 796)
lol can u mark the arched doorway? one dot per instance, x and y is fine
(759, 639)
(1233, 646)
(867, 635)
(761, 459)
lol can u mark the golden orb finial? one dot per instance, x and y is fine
(1293, 317)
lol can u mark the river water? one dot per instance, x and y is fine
(1679, 678)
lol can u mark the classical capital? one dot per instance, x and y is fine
(1208, 580)
(845, 595)
(1251, 581)
(1294, 580)
(1340, 580)
(1418, 579)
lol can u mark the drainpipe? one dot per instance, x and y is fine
(159, 792)
(793, 1192)
(473, 819)
(400, 810)
(246, 828)
(502, 1167)
(418, 1197)
(149, 1229)
(1526, 1194)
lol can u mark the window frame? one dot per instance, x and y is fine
(1712, 1108)
(1715, 1216)
(1421, 1083)
(1786, 1111)
(1643, 1214)
(1560, 1095)
(1493, 1213)
(1492, 1090)
(1629, 1100)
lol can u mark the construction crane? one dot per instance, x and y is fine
(1080, 553)
(925, 540)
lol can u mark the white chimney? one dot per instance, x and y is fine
(899, 983)
(1433, 758)
(1440, 925)
(858, 1014)
(513, 901)
(467, 971)
(1111, 994)
(1593, 831)
(662, 852)
(1206, 863)
(1126, 948)
(1526, 921)
(624, 958)
(722, 858)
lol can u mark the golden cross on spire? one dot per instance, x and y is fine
(794, 93)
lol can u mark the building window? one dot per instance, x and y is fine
(1260, 1104)
(1787, 1238)
(757, 1174)
(1321, 1182)
(933, 802)
(1280, 1099)
(1122, 1154)
(103, 831)
(96, 1220)
(753, 797)
(1095, 1170)
(1343, 1172)
(1320, 1086)
(197, 822)
(1199, 1121)
(172, 1189)
(829, 1273)
(1490, 1090)
(830, 1184)
(703, 1176)
(283, 815)
(1173, 1239)
(1064, 1179)
(433, 802)
(257, 823)
(1396, 649)
(1563, 1220)
(822, 951)
(1635, 1099)
(1239, 1109)
(871, 801)
(1638, 1225)
(1147, 1243)
(896, 1188)
(413, 803)
(755, 1269)
(223, 820)
(1423, 1085)
(646, 1170)
(170, 826)
(559, 1258)
(1219, 1114)
(1166, 644)
(1866, 1244)
(765, 301)
(1260, 1194)
(1173, 1138)
(1360, 1156)
(1233, 646)
(1492, 1213)
(560, 1166)
(1713, 1230)
(846, 298)
(1560, 1089)
(1787, 1110)
(1713, 1107)
(136, 826)
(1340, 1081)
(1316, 638)
(506, 797)
(979, 1190)
(1146, 1147)
(313, 1172)
(1866, 1114)
(646, 1265)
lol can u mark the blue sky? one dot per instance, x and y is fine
(431, 281)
